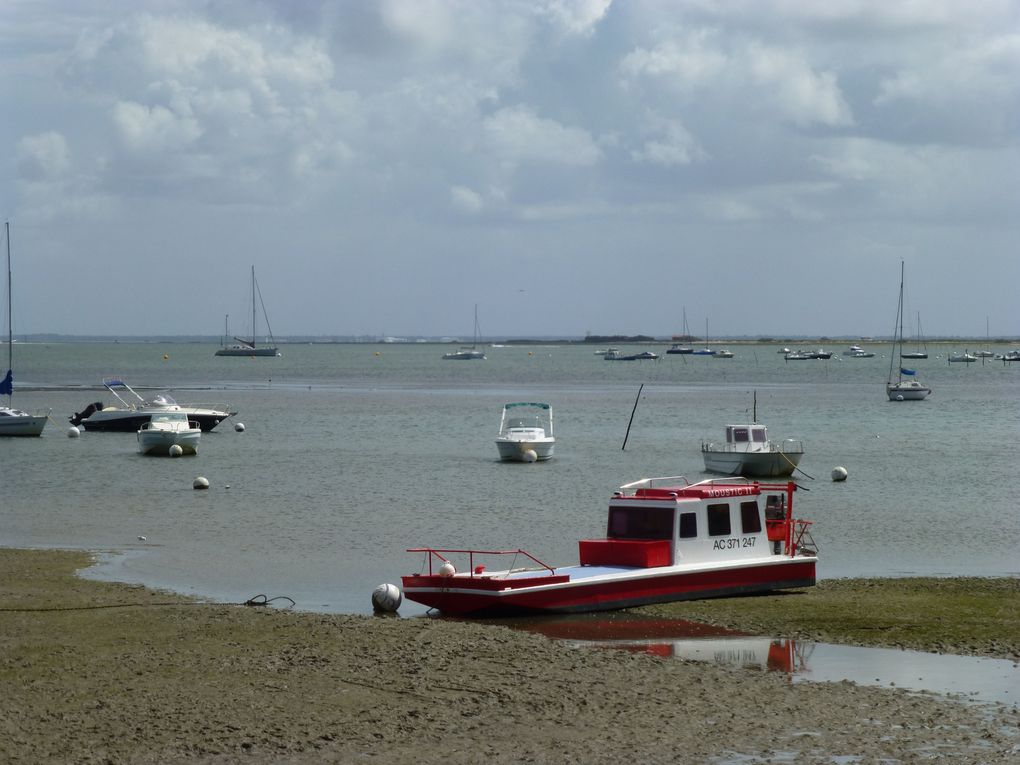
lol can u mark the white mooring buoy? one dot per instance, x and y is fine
(529, 455)
(239, 427)
(386, 598)
(176, 450)
(839, 474)
(447, 569)
(200, 483)
(73, 432)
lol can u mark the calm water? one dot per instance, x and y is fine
(351, 454)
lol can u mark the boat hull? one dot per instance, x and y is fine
(464, 356)
(515, 450)
(157, 442)
(248, 352)
(18, 425)
(907, 391)
(774, 464)
(476, 596)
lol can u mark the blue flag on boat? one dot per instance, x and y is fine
(7, 386)
(907, 371)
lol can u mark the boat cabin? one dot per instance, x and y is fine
(749, 437)
(717, 521)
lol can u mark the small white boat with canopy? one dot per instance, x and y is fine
(526, 432)
(166, 430)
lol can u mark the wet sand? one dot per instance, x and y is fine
(96, 672)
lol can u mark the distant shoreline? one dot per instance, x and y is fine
(600, 340)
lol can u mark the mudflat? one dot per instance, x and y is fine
(98, 672)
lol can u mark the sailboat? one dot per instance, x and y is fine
(918, 353)
(245, 347)
(683, 347)
(902, 386)
(468, 354)
(706, 351)
(14, 422)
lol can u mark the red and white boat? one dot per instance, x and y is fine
(666, 540)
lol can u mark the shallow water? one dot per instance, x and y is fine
(976, 679)
(353, 453)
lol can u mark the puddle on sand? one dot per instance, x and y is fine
(973, 678)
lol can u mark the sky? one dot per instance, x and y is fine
(570, 167)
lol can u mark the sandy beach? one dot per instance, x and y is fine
(95, 673)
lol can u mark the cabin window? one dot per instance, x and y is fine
(740, 435)
(758, 434)
(718, 520)
(640, 523)
(688, 525)
(750, 519)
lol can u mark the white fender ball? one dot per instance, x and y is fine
(73, 432)
(239, 427)
(176, 450)
(200, 483)
(447, 569)
(839, 474)
(529, 455)
(386, 598)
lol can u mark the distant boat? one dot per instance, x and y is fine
(468, 354)
(902, 386)
(245, 347)
(614, 354)
(706, 351)
(682, 348)
(525, 432)
(965, 358)
(748, 452)
(14, 422)
(918, 353)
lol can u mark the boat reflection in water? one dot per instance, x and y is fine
(971, 678)
(671, 638)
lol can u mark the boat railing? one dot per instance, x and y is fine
(433, 553)
(662, 482)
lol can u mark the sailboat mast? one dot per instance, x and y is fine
(10, 328)
(253, 306)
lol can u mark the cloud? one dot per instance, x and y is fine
(43, 156)
(466, 200)
(517, 134)
(772, 79)
(672, 145)
(198, 105)
(576, 17)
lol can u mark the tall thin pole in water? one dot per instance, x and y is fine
(632, 417)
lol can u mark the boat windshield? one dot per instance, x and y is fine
(170, 417)
(640, 523)
(164, 399)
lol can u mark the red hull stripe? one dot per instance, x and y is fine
(609, 594)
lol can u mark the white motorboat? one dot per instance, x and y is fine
(722, 353)
(130, 415)
(965, 358)
(168, 429)
(468, 354)
(525, 432)
(244, 346)
(15, 422)
(748, 452)
(902, 386)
